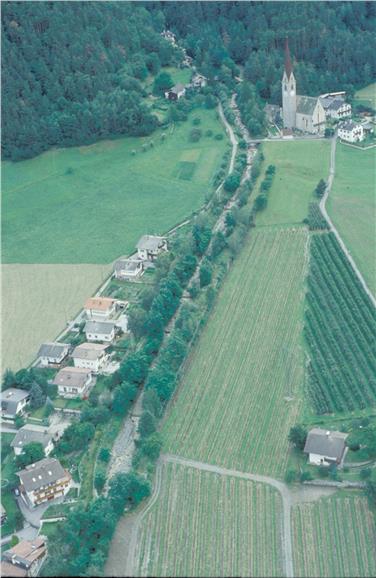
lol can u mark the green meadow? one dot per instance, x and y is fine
(300, 166)
(352, 205)
(366, 96)
(90, 204)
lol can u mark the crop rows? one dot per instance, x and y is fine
(204, 524)
(316, 220)
(340, 328)
(241, 391)
(334, 537)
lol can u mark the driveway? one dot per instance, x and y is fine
(33, 516)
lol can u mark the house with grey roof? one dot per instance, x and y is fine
(100, 331)
(90, 356)
(43, 481)
(52, 353)
(325, 447)
(73, 382)
(175, 92)
(149, 247)
(25, 558)
(13, 402)
(128, 269)
(27, 435)
(351, 131)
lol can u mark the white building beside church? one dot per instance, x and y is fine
(305, 113)
(351, 131)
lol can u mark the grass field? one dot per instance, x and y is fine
(366, 96)
(334, 537)
(206, 525)
(91, 204)
(300, 166)
(352, 206)
(231, 408)
(37, 301)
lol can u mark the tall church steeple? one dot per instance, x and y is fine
(288, 91)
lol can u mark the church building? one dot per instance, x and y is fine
(304, 113)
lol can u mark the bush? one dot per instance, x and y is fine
(290, 476)
(365, 473)
(99, 481)
(219, 136)
(104, 455)
(209, 132)
(195, 134)
(297, 436)
(196, 121)
(306, 476)
(323, 471)
(232, 182)
(261, 202)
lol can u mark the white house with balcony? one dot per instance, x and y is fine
(351, 131)
(100, 331)
(150, 246)
(91, 356)
(100, 308)
(73, 382)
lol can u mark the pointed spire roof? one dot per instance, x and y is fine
(288, 64)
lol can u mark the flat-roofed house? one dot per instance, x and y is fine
(149, 247)
(73, 382)
(26, 435)
(351, 131)
(52, 353)
(25, 558)
(325, 447)
(100, 331)
(100, 308)
(13, 402)
(128, 269)
(90, 356)
(44, 481)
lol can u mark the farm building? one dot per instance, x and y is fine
(43, 481)
(175, 92)
(52, 353)
(27, 435)
(13, 402)
(127, 269)
(351, 131)
(90, 356)
(24, 559)
(325, 447)
(149, 247)
(73, 381)
(100, 308)
(100, 331)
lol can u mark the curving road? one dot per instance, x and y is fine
(331, 224)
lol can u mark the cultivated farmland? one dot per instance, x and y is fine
(37, 301)
(340, 329)
(243, 387)
(352, 205)
(300, 166)
(204, 524)
(334, 537)
(90, 204)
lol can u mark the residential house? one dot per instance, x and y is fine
(175, 92)
(335, 107)
(90, 356)
(25, 558)
(27, 435)
(13, 402)
(128, 269)
(368, 127)
(198, 80)
(100, 331)
(52, 353)
(100, 308)
(73, 382)
(3, 515)
(44, 481)
(351, 131)
(325, 447)
(149, 247)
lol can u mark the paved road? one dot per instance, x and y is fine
(27, 533)
(280, 486)
(331, 224)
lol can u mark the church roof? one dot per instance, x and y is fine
(288, 64)
(305, 104)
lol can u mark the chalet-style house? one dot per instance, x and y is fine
(100, 308)
(304, 113)
(175, 92)
(73, 382)
(335, 105)
(52, 353)
(43, 481)
(90, 356)
(13, 402)
(127, 269)
(27, 435)
(25, 558)
(100, 331)
(325, 447)
(350, 131)
(149, 247)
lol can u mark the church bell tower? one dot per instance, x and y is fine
(288, 92)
